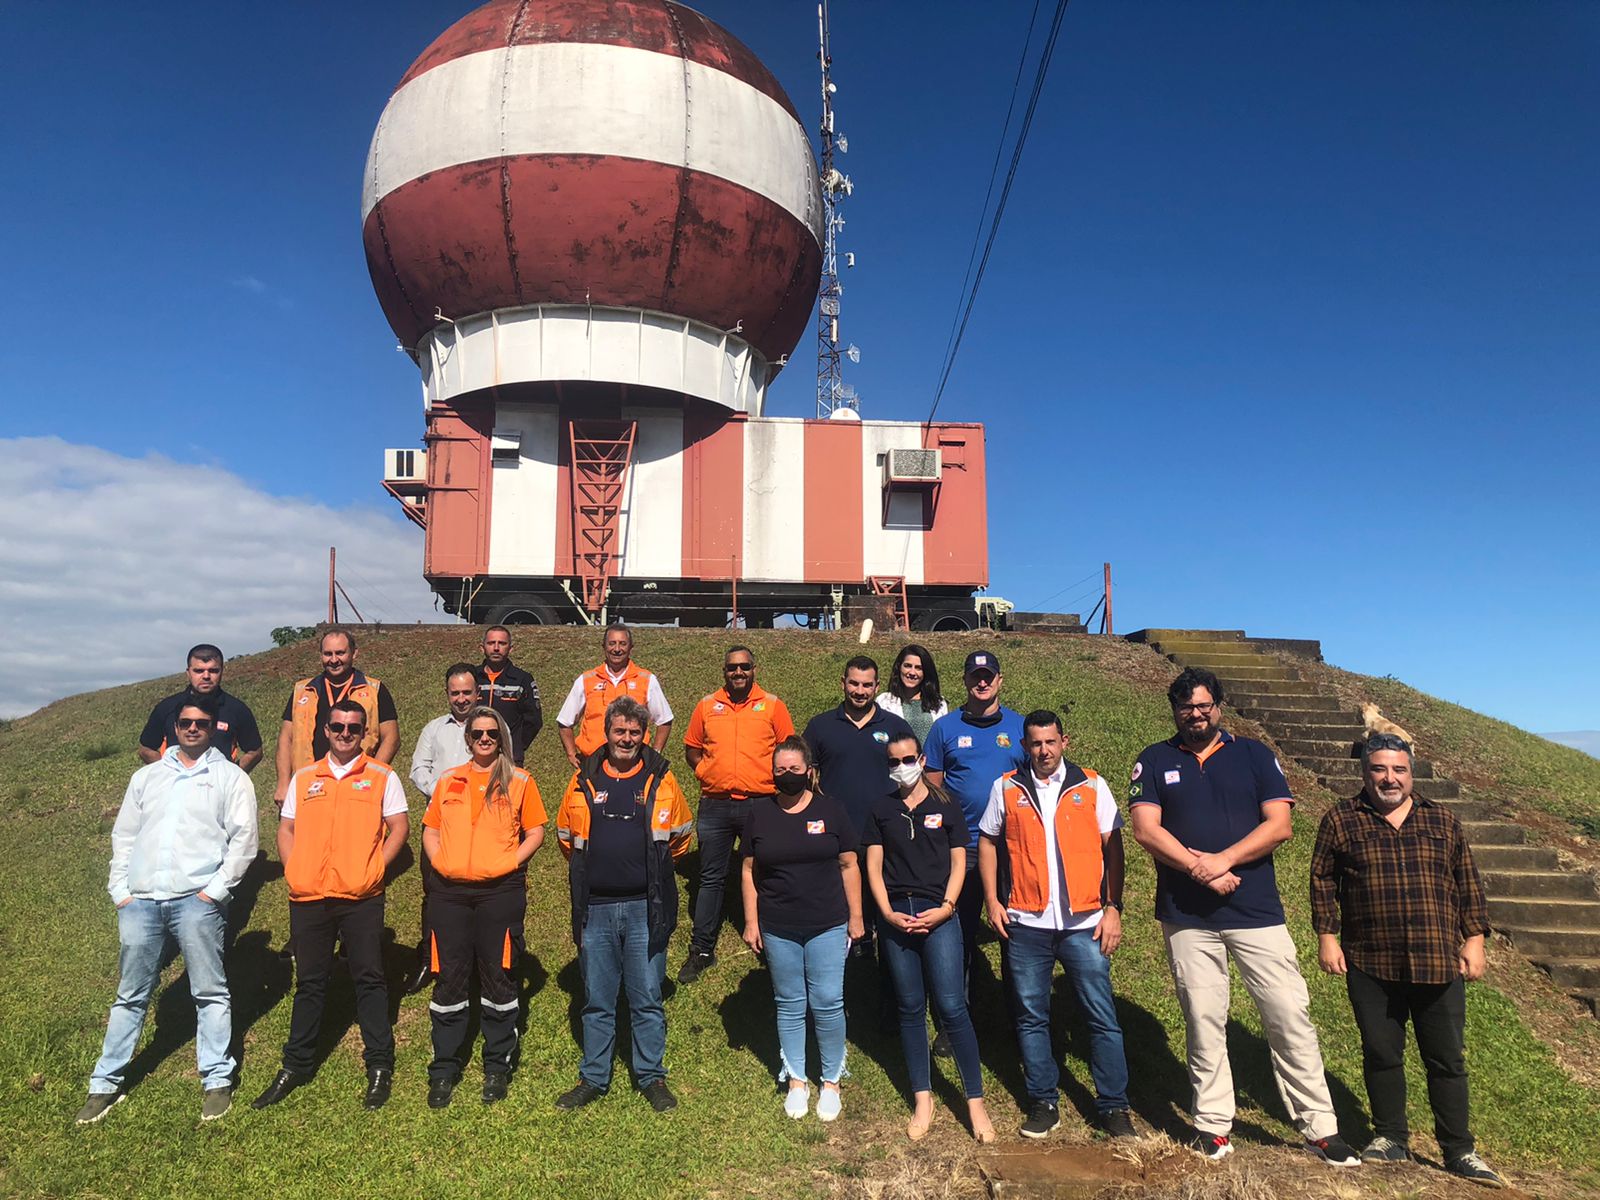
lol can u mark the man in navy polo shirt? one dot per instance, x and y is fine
(968, 749)
(850, 745)
(1211, 808)
(235, 735)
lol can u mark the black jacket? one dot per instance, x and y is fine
(515, 696)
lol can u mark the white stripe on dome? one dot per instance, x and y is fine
(576, 98)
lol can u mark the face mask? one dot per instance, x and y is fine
(905, 774)
(791, 784)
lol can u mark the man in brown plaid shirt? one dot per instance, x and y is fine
(1396, 872)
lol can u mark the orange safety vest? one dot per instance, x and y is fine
(363, 690)
(479, 841)
(338, 832)
(598, 693)
(1077, 842)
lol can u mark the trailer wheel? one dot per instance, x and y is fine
(522, 610)
(954, 616)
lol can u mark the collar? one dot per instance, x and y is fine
(874, 714)
(721, 694)
(1224, 738)
(498, 671)
(170, 757)
(605, 765)
(627, 670)
(1059, 775)
(357, 679)
(988, 722)
(357, 765)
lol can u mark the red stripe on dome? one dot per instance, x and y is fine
(592, 229)
(654, 25)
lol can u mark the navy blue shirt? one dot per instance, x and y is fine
(1208, 804)
(973, 752)
(619, 837)
(852, 763)
(234, 733)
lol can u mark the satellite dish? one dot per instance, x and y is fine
(843, 413)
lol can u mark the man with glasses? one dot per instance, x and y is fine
(1400, 912)
(729, 745)
(440, 747)
(184, 835)
(623, 822)
(342, 824)
(301, 740)
(1210, 808)
(510, 691)
(235, 735)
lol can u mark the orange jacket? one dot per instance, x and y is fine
(338, 832)
(738, 740)
(1077, 842)
(598, 692)
(363, 690)
(479, 841)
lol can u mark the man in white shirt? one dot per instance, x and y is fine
(1051, 861)
(184, 836)
(581, 722)
(441, 745)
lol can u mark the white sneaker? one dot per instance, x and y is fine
(828, 1104)
(796, 1102)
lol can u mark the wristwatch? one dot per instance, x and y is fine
(1116, 904)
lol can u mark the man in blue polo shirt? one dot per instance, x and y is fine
(1210, 808)
(967, 750)
(236, 736)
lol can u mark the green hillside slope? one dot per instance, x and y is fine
(62, 774)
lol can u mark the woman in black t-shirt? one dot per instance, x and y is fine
(916, 850)
(802, 905)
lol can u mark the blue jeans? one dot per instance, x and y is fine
(808, 971)
(143, 927)
(931, 963)
(616, 954)
(1034, 953)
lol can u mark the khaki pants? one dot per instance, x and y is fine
(1266, 960)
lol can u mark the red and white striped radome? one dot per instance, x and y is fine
(609, 154)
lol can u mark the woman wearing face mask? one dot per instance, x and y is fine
(482, 826)
(802, 905)
(916, 848)
(913, 691)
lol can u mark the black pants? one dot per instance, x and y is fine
(1438, 1014)
(430, 882)
(969, 911)
(475, 925)
(314, 926)
(718, 824)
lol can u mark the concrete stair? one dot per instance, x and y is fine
(1551, 915)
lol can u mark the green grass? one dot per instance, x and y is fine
(729, 1138)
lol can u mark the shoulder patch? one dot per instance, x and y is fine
(1138, 770)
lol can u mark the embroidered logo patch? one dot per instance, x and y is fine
(1136, 790)
(816, 827)
(600, 797)
(1138, 770)
(1003, 740)
(880, 737)
(304, 699)
(665, 816)
(361, 785)
(222, 727)
(933, 821)
(718, 706)
(964, 742)
(632, 684)
(315, 789)
(761, 706)
(1171, 776)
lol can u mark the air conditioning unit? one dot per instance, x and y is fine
(405, 466)
(911, 467)
(505, 447)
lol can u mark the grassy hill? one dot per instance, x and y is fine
(62, 775)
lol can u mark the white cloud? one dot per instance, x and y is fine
(111, 567)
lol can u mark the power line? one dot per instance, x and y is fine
(1000, 206)
(1077, 583)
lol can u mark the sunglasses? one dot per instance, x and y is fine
(477, 735)
(905, 760)
(341, 728)
(194, 722)
(1387, 741)
(741, 667)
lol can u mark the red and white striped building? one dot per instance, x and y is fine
(595, 224)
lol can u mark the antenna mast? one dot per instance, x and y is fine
(832, 392)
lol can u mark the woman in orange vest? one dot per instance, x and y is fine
(482, 826)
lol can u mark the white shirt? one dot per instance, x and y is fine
(1107, 817)
(442, 744)
(889, 702)
(655, 701)
(394, 796)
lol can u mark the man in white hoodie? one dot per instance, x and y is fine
(183, 838)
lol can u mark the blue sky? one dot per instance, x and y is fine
(1292, 317)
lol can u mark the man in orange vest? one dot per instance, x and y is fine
(342, 824)
(1050, 858)
(301, 740)
(582, 720)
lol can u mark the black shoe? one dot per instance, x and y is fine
(695, 966)
(441, 1089)
(584, 1093)
(941, 1046)
(1470, 1166)
(379, 1082)
(495, 1086)
(418, 979)
(1334, 1151)
(280, 1087)
(660, 1096)
(1043, 1116)
(1384, 1151)
(1119, 1124)
(1213, 1146)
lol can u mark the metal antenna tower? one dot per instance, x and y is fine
(832, 392)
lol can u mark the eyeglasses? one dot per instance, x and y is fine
(741, 667)
(1198, 710)
(905, 760)
(194, 722)
(341, 729)
(1387, 741)
(477, 735)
